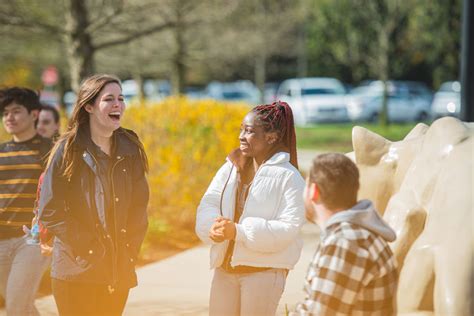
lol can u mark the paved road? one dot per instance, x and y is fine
(305, 158)
(180, 285)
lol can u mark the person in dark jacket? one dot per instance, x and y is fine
(93, 200)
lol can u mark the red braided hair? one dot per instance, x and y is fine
(278, 117)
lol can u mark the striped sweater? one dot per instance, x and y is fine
(21, 164)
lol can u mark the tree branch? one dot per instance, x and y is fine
(135, 35)
(105, 20)
(13, 15)
(17, 21)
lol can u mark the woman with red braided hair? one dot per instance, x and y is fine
(252, 213)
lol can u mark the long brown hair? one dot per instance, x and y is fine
(88, 92)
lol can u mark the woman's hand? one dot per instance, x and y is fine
(225, 227)
(216, 232)
(47, 248)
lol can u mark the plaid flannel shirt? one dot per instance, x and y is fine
(352, 273)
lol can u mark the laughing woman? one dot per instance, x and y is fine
(252, 213)
(93, 201)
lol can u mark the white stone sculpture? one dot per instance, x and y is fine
(423, 187)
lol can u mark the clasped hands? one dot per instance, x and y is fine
(222, 229)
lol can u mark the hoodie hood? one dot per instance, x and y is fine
(364, 214)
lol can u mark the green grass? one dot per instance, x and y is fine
(338, 137)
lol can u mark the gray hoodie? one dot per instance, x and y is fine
(364, 214)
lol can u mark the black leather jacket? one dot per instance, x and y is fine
(86, 247)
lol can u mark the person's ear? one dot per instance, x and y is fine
(88, 108)
(271, 137)
(35, 114)
(315, 194)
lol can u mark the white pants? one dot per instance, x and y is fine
(246, 294)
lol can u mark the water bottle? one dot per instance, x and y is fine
(34, 235)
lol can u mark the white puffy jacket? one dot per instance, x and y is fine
(268, 232)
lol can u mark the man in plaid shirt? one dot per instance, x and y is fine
(353, 271)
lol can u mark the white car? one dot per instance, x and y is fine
(408, 101)
(314, 99)
(447, 101)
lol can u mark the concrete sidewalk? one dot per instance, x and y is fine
(180, 285)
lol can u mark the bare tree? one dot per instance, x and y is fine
(385, 17)
(254, 33)
(85, 27)
(176, 53)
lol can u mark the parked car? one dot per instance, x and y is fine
(194, 92)
(407, 101)
(315, 99)
(237, 91)
(69, 99)
(155, 90)
(270, 92)
(447, 101)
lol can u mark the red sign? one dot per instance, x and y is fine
(49, 76)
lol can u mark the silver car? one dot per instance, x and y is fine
(447, 101)
(408, 101)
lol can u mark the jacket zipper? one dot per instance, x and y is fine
(115, 244)
(243, 211)
(111, 287)
(223, 190)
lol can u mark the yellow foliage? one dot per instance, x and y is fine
(4, 137)
(18, 74)
(186, 142)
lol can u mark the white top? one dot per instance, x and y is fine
(268, 232)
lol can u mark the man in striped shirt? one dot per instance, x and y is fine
(353, 271)
(21, 162)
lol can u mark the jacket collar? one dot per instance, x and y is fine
(278, 158)
(240, 161)
(122, 144)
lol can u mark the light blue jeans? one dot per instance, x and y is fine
(21, 269)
